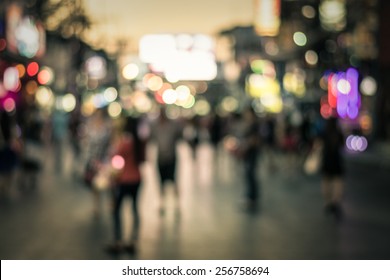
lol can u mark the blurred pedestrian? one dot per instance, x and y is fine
(332, 167)
(165, 134)
(75, 128)
(98, 137)
(127, 155)
(59, 136)
(191, 134)
(290, 147)
(10, 150)
(269, 136)
(249, 148)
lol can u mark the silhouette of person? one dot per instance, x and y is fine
(166, 134)
(332, 168)
(98, 137)
(249, 149)
(10, 149)
(128, 150)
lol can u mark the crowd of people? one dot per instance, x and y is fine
(119, 149)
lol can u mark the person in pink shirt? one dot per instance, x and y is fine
(127, 155)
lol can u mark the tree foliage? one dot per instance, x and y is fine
(67, 17)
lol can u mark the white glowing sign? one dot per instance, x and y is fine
(180, 57)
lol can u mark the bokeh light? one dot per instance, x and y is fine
(68, 102)
(11, 79)
(114, 110)
(130, 71)
(368, 86)
(31, 87)
(300, 38)
(118, 162)
(229, 104)
(169, 96)
(9, 104)
(333, 14)
(311, 57)
(202, 107)
(308, 11)
(44, 97)
(32, 69)
(21, 69)
(155, 83)
(110, 94)
(45, 76)
(96, 67)
(356, 143)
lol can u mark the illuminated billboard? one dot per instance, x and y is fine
(181, 57)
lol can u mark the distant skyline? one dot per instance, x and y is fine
(129, 20)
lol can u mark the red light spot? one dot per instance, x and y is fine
(326, 111)
(32, 69)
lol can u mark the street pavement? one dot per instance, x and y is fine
(56, 221)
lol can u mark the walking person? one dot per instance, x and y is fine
(129, 151)
(166, 134)
(10, 150)
(332, 167)
(249, 150)
(98, 137)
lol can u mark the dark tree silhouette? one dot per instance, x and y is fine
(66, 17)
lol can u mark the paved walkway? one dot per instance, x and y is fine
(56, 221)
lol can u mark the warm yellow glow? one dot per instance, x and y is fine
(229, 104)
(267, 89)
(189, 102)
(44, 97)
(202, 107)
(258, 85)
(141, 102)
(295, 84)
(68, 102)
(273, 103)
(231, 71)
(267, 17)
(21, 69)
(264, 67)
(88, 106)
(368, 86)
(183, 94)
(155, 83)
(31, 87)
(333, 14)
(130, 71)
(114, 110)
